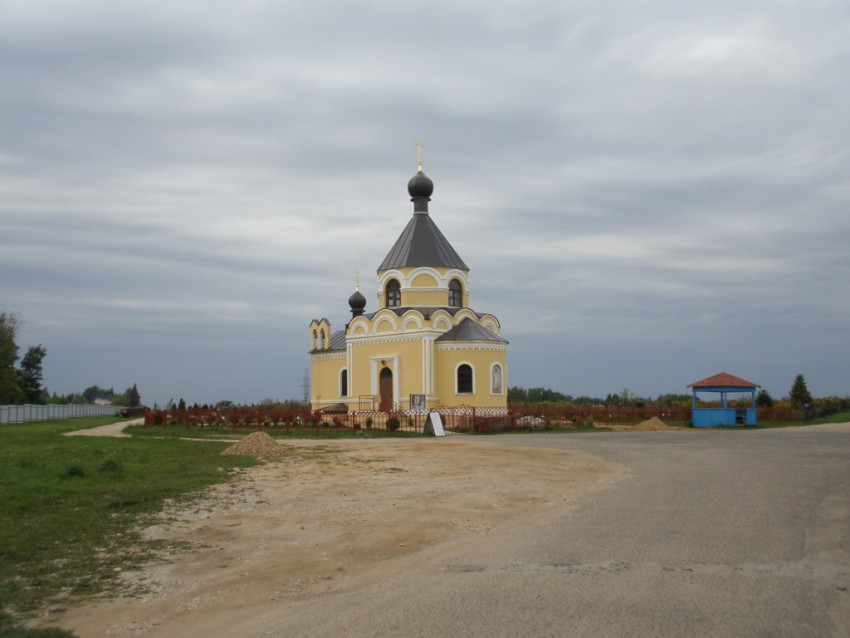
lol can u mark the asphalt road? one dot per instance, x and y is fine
(711, 533)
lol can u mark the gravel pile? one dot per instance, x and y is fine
(259, 445)
(652, 425)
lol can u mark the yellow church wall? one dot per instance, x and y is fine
(403, 357)
(325, 380)
(409, 376)
(359, 382)
(426, 298)
(448, 358)
(423, 285)
(405, 344)
(423, 280)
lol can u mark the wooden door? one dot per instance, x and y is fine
(386, 386)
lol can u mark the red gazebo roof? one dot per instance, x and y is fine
(723, 380)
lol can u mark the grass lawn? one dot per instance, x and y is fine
(69, 507)
(840, 417)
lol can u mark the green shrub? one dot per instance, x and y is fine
(109, 466)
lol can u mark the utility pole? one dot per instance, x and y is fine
(305, 386)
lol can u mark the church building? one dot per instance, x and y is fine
(424, 347)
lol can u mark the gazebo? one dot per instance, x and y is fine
(724, 383)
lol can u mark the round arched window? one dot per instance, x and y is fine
(455, 294)
(393, 293)
(464, 379)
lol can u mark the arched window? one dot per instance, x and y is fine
(393, 294)
(343, 383)
(322, 339)
(315, 340)
(455, 294)
(464, 379)
(496, 379)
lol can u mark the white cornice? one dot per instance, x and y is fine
(472, 346)
(326, 356)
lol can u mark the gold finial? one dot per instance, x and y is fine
(419, 147)
(357, 279)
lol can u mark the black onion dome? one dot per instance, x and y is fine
(357, 302)
(420, 185)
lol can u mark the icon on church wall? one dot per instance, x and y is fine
(497, 379)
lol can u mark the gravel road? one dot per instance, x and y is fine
(713, 533)
(692, 533)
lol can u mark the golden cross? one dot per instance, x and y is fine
(419, 146)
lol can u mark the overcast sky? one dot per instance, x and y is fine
(646, 193)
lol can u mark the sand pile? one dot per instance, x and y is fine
(259, 445)
(652, 425)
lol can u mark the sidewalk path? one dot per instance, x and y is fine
(113, 429)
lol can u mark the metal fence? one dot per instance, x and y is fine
(457, 419)
(28, 412)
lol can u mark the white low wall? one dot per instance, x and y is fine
(28, 412)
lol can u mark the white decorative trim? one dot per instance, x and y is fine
(487, 318)
(492, 327)
(406, 282)
(328, 356)
(463, 313)
(360, 328)
(498, 347)
(375, 369)
(393, 321)
(393, 337)
(415, 319)
(389, 274)
(443, 324)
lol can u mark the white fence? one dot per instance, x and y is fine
(27, 412)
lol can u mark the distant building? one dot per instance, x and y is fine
(425, 346)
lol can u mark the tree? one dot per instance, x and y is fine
(30, 374)
(10, 391)
(800, 397)
(763, 399)
(134, 399)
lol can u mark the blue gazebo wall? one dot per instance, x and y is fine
(719, 417)
(724, 415)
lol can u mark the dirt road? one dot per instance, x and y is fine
(303, 535)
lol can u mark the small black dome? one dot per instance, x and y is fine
(420, 185)
(357, 302)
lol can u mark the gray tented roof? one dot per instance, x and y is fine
(422, 244)
(338, 340)
(468, 330)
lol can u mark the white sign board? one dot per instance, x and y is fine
(434, 424)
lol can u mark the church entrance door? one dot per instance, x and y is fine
(386, 386)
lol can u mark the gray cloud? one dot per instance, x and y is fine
(646, 194)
